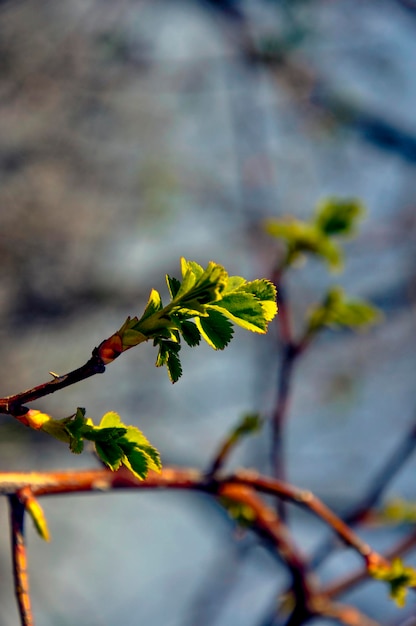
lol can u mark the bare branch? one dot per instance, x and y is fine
(19, 557)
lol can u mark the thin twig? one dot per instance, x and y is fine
(289, 353)
(267, 524)
(345, 584)
(13, 405)
(374, 492)
(19, 558)
(305, 499)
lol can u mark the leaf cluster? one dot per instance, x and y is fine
(241, 513)
(398, 511)
(399, 578)
(115, 443)
(338, 311)
(333, 218)
(203, 305)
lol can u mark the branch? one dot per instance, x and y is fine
(19, 558)
(267, 524)
(304, 499)
(352, 580)
(13, 405)
(53, 483)
(380, 482)
(290, 352)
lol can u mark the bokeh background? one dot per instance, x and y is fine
(134, 132)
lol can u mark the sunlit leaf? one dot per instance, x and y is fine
(338, 311)
(398, 576)
(190, 333)
(37, 514)
(302, 238)
(337, 216)
(244, 309)
(215, 329)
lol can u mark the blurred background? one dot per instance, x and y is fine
(138, 131)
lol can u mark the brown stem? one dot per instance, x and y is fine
(13, 405)
(383, 478)
(348, 615)
(19, 557)
(352, 580)
(268, 525)
(240, 486)
(307, 500)
(50, 483)
(285, 375)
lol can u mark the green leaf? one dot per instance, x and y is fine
(338, 311)
(244, 309)
(173, 285)
(135, 437)
(215, 329)
(37, 514)
(191, 267)
(110, 453)
(398, 576)
(240, 512)
(201, 288)
(265, 292)
(190, 333)
(76, 445)
(174, 366)
(137, 463)
(337, 216)
(103, 435)
(199, 304)
(302, 238)
(111, 419)
(249, 425)
(154, 304)
(168, 355)
(398, 511)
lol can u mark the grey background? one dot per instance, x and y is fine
(132, 133)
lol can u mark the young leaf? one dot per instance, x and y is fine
(336, 310)
(135, 437)
(110, 453)
(173, 285)
(35, 511)
(115, 443)
(333, 217)
(398, 576)
(240, 512)
(244, 309)
(249, 425)
(190, 333)
(302, 238)
(200, 303)
(215, 329)
(168, 355)
(336, 216)
(398, 511)
(154, 304)
(137, 463)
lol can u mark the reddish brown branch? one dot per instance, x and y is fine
(13, 405)
(346, 614)
(49, 483)
(241, 487)
(267, 524)
(358, 576)
(307, 500)
(19, 558)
